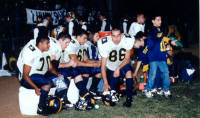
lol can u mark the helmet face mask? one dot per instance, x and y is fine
(110, 98)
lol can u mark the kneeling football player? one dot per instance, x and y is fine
(115, 62)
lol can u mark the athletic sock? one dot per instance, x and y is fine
(129, 87)
(95, 82)
(82, 88)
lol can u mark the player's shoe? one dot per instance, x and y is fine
(153, 91)
(148, 94)
(67, 105)
(128, 102)
(144, 91)
(42, 111)
(96, 95)
(161, 92)
(167, 94)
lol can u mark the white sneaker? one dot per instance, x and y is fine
(148, 94)
(144, 91)
(154, 91)
(167, 94)
(161, 92)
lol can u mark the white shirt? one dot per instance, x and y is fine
(77, 49)
(70, 28)
(115, 54)
(32, 56)
(135, 28)
(84, 27)
(125, 26)
(103, 26)
(58, 30)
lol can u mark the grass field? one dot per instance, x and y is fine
(185, 103)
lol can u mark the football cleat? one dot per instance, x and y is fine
(95, 95)
(128, 102)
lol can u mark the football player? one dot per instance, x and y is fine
(33, 63)
(78, 52)
(115, 62)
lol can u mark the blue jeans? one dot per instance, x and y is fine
(157, 83)
(164, 73)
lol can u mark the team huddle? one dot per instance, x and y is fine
(44, 61)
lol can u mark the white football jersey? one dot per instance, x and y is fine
(55, 48)
(115, 54)
(135, 28)
(77, 49)
(56, 31)
(32, 56)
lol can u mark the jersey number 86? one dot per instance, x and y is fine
(115, 55)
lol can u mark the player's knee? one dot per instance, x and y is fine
(46, 87)
(129, 74)
(86, 75)
(78, 78)
(98, 75)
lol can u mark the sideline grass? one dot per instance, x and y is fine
(185, 103)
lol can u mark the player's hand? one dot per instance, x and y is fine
(134, 75)
(174, 43)
(116, 72)
(61, 66)
(74, 64)
(96, 65)
(106, 87)
(60, 76)
(37, 91)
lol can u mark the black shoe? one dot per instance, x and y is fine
(95, 95)
(67, 105)
(42, 111)
(127, 103)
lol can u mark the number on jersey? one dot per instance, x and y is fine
(114, 55)
(81, 54)
(42, 60)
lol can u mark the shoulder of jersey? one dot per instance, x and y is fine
(127, 38)
(31, 46)
(53, 40)
(74, 41)
(105, 40)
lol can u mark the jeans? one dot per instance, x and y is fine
(164, 73)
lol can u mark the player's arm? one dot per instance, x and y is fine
(26, 71)
(87, 60)
(52, 70)
(71, 63)
(137, 68)
(83, 64)
(103, 72)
